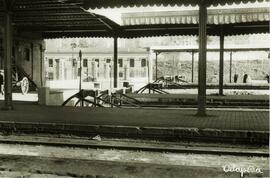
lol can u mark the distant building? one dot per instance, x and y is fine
(97, 67)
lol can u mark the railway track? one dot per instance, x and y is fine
(155, 105)
(137, 145)
(145, 133)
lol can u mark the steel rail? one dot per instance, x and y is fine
(137, 147)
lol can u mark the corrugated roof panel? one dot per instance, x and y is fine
(66, 18)
(98, 4)
(219, 16)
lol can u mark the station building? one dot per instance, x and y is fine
(96, 68)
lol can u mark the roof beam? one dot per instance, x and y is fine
(66, 19)
(52, 14)
(58, 28)
(63, 24)
(102, 21)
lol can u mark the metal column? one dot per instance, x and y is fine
(7, 40)
(221, 62)
(230, 67)
(192, 67)
(80, 78)
(115, 63)
(156, 64)
(32, 61)
(41, 65)
(202, 60)
(80, 72)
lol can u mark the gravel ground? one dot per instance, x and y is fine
(8, 174)
(134, 156)
(29, 161)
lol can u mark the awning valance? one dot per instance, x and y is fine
(98, 4)
(215, 16)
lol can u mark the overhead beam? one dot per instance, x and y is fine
(58, 23)
(44, 8)
(54, 13)
(54, 19)
(102, 21)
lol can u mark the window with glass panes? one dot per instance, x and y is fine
(120, 62)
(50, 62)
(143, 62)
(97, 60)
(85, 63)
(131, 62)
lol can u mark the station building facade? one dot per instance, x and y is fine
(27, 59)
(97, 67)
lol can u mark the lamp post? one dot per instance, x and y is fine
(80, 76)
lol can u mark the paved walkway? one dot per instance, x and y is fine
(217, 119)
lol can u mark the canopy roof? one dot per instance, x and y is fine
(93, 4)
(233, 21)
(162, 49)
(55, 17)
(215, 16)
(67, 18)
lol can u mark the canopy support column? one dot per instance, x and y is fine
(115, 62)
(157, 65)
(80, 71)
(202, 60)
(7, 40)
(221, 62)
(230, 67)
(192, 67)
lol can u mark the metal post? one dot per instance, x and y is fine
(8, 105)
(148, 64)
(80, 72)
(156, 64)
(32, 60)
(192, 67)
(221, 62)
(202, 60)
(230, 67)
(41, 65)
(148, 71)
(80, 78)
(115, 63)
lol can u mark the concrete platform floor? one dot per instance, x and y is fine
(223, 119)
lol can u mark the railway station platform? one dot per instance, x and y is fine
(228, 125)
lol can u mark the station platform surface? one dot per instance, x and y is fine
(234, 120)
